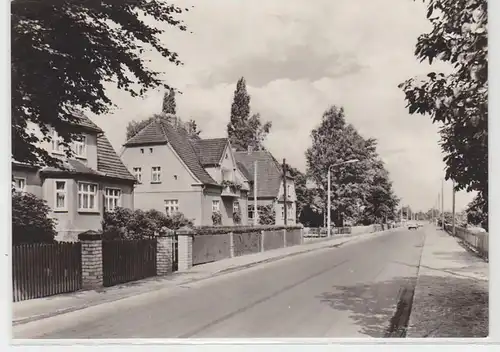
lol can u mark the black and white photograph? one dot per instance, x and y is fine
(237, 169)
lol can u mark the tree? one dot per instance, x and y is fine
(244, 130)
(475, 214)
(192, 128)
(333, 142)
(457, 100)
(381, 202)
(169, 106)
(30, 220)
(64, 52)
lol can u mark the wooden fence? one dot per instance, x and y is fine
(128, 260)
(41, 270)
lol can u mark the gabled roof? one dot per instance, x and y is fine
(210, 151)
(269, 174)
(85, 122)
(160, 131)
(108, 161)
(151, 134)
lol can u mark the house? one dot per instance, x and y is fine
(79, 192)
(270, 184)
(178, 172)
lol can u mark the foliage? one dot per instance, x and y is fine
(458, 100)
(381, 203)
(212, 230)
(231, 184)
(244, 131)
(475, 214)
(237, 217)
(30, 220)
(65, 53)
(307, 210)
(169, 106)
(124, 223)
(216, 218)
(352, 189)
(267, 214)
(192, 128)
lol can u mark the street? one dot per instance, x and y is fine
(349, 291)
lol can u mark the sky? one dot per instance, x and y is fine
(300, 57)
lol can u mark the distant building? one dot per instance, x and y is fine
(93, 180)
(270, 185)
(177, 172)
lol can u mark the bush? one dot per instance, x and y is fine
(127, 224)
(216, 218)
(30, 220)
(267, 214)
(237, 217)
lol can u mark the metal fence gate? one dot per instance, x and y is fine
(175, 253)
(41, 270)
(128, 260)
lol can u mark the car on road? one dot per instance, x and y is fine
(413, 225)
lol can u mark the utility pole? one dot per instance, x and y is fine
(453, 210)
(442, 203)
(285, 203)
(255, 211)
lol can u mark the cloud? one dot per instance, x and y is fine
(298, 59)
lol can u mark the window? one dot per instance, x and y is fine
(215, 206)
(138, 174)
(80, 146)
(151, 150)
(57, 147)
(112, 198)
(289, 211)
(289, 190)
(19, 184)
(171, 206)
(236, 206)
(283, 212)
(60, 203)
(142, 150)
(156, 174)
(87, 196)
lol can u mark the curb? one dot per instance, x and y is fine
(222, 272)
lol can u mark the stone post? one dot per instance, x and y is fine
(92, 273)
(164, 253)
(284, 238)
(185, 238)
(231, 245)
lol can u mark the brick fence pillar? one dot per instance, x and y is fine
(185, 241)
(164, 254)
(92, 272)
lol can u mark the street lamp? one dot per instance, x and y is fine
(329, 189)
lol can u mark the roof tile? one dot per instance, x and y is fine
(269, 175)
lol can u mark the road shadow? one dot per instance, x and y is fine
(372, 306)
(441, 307)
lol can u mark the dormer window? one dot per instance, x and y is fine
(80, 146)
(56, 145)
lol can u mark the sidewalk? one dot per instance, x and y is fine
(451, 295)
(36, 309)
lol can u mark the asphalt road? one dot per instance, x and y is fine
(349, 291)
